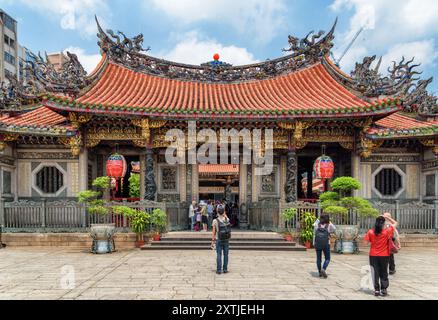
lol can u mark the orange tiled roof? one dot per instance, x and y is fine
(307, 92)
(40, 118)
(403, 125)
(219, 169)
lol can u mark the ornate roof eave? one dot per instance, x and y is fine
(377, 111)
(406, 134)
(130, 53)
(43, 131)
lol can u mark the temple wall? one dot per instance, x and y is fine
(32, 177)
(384, 167)
(8, 181)
(429, 176)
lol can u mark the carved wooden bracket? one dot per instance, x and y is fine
(5, 138)
(368, 146)
(348, 145)
(75, 144)
(79, 119)
(147, 125)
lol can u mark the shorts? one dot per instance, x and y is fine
(204, 219)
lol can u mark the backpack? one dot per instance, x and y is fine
(322, 237)
(224, 233)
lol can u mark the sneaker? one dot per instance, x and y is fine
(377, 293)
(225, 271)
(392, 272)
(218, 272)
(384, 293)
(320, 274)
(324, 274)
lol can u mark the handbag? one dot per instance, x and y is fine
(393, 249)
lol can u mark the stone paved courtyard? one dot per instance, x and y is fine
(60, 274)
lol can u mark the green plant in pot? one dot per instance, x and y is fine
(289, 215)
(134, 186)
(95, 203)
(139, 222)
(159, 223)
(306, 228)
(339, 203)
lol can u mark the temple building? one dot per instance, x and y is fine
(58, 128)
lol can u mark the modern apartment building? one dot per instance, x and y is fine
(9, 47)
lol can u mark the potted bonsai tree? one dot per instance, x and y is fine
(159, 223)
(289, 215)
(101, 232)
(341, 203)
(139, 221)
(307, 221)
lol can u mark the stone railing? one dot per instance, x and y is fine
(412, 217)
(71, 216)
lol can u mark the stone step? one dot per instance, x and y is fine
(239, 248)
(232, 243)
(209, 239)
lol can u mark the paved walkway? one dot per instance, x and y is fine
(59, 274)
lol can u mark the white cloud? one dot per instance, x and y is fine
(88, 61)
(423, 51)
(259, 18)
(405, 27)
(196, 49)
(72, 14)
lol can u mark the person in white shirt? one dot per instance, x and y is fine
(192, 215)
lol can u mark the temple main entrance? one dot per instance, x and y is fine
(219, 182)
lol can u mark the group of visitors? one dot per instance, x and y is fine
(202, 214)
(384, 240)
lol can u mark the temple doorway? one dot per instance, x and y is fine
(128, 188)
(309, 186)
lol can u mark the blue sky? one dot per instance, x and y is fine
(242, 31)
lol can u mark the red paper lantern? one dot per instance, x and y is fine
(324, 168)
(116, 166)
(216, 57)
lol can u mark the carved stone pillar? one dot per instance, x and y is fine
(255, 185)
(291, 177)
(195, 182)
(150, 184)
(83, 170)
(355, 169)
(142, 176)
(243, 182)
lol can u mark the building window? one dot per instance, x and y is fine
(7, 182)
(8, 22)
(431, 185)
(388, 182)
(49, 180)
(9, 58)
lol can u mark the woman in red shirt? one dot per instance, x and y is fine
(379, 254)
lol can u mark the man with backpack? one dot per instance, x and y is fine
(321, 241)
(221, 237)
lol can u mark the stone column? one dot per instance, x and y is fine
(182, 182)
(195, 182)
(243, 182)
(83, 170)
(283, 166)
(150, 184)
(355, 169)
(142, 176)
(255, 185)
(291, 177)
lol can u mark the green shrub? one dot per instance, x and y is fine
(346, 184)
(308, 219)
(98, 210)
(102, 183)
(88, 195)
(134, 185)
(288, 215)
(159, 220)
(336, 210)
(329, 196)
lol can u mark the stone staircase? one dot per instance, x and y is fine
(241, 240)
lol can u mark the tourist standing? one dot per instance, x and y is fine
(379, 254)
(321, 242)
(396, 239)
(221, 237)
(204, 215)
(192, 215)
